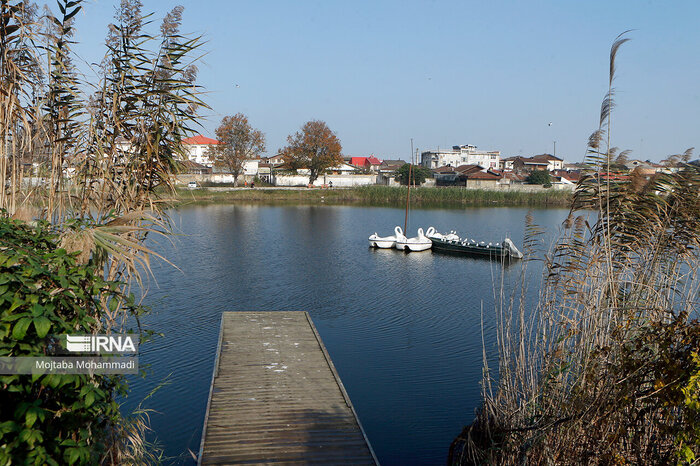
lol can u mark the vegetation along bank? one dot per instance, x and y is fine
(381, 195)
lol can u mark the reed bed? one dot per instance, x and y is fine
(605, 369)
(385, 196)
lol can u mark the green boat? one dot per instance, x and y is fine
(505, 250)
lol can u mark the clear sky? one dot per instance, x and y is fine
(493, 74)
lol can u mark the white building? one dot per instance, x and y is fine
(460, 155)
(197, 148)
(251, 167)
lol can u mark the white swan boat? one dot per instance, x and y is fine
(386, 242)
(417, 243)
(433, 233)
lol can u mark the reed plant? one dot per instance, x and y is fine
(605, 369)
(94, 159)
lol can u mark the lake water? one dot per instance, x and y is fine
(403, 330)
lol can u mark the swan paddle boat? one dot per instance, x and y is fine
(417, 243)
(386, 242)
(433, 233)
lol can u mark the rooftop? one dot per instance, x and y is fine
(200, 140)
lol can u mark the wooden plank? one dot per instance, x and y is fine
(276, 398)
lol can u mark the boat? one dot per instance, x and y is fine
(448, 243)
(386, 242)
(399, 240)
(417, 243)
(433, 233)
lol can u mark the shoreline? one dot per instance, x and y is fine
(387, 196)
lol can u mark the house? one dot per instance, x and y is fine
(566, 177)
(387, 170)
(570, 175)
(480, 179)
(193, 168)
(371, 163)
(511, 178)
(537, 162)
(458, 176)
(460, 155)
(265, 172)
(553, 162)
(274, 160)
(341, 169)
(249, 167)
(507, 163)
(466, 169)
(197, 149)
(391, 165)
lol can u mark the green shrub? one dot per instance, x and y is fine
(539, 177)
(418, 174)
(51, 419)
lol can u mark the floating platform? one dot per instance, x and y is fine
(276, 397)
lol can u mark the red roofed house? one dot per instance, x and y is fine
(197, 148)
(366, 163)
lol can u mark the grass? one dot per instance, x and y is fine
(383, 195)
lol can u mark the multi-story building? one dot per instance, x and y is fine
(197, 148)
(460, 155)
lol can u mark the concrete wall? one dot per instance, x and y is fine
(339, 181)
(212, 178)
(482, 184)
(531, 188)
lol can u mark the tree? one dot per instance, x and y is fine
(539, 177)
(238, 142)
(315, 148)
(418, 174)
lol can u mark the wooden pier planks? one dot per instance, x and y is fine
(276, 397)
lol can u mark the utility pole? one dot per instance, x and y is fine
(408, 191)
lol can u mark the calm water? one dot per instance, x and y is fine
(403, 330)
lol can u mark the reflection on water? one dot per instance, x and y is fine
(403, 329)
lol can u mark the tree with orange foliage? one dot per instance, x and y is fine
(238, 142)
(315, 148)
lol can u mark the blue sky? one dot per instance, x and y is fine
(493, 74)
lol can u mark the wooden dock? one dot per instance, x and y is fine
(276, 398)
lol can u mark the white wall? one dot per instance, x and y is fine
(351, 180)
(455, 158)
(250, 167)
(339, 181)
